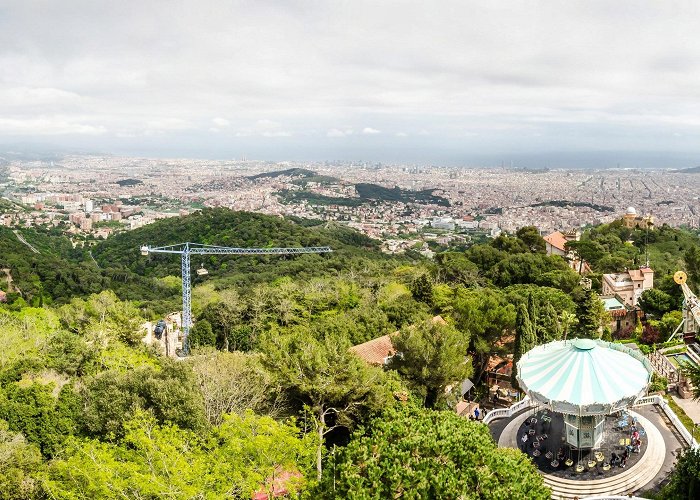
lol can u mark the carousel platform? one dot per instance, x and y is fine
(570, 472)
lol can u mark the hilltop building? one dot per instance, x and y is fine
(556, 245)
(632, 220)
(621, 316)
(628, 286)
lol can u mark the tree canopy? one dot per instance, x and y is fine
(414, 453)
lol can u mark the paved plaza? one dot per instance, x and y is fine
(645, 472)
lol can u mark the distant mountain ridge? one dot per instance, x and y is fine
(689, 170)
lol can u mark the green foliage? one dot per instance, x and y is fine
(525, 336)
(57, 273)
(485, 315)
(24, 334)
(431, 356)
(170, 393)
(120, 254)
(335, 385)
(375, 192)
(485, 256)
(590, 314)
(455, 267)
(202, 335)
(164, 461)
(658, 383)
(44, 415)
(612, 247)
(656, 302)
(669, 322)
(69, 353)
(422, 288)
(685, 479)
(538, 269)
(530, 236)
(102, 317)
(414, 454)
(509, 244)
(19, 461)
(235, 382)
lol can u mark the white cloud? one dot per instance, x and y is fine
(163, 124)
(334, 132)
(221, 122)
(48, 126)
(555, 73)
(401, 134)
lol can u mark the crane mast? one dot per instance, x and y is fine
(185, 250)
(691, 309)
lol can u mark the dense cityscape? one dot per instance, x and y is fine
(83, 193)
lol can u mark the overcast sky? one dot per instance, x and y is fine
(464, 82)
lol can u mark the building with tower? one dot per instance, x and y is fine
(632, 220)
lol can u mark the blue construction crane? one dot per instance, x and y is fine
(187, 249)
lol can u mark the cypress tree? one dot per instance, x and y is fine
(550, 328)
(533, 311)
(589, 313)
(525, 337)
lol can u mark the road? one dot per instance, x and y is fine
(21, 238)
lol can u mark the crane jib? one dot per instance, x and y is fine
(185, 250)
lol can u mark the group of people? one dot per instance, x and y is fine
(634, 447)
(620, 460)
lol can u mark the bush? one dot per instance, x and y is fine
(650, 334)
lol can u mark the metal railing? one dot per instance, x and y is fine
(647, 400)
(658, 400)
(663, 367)
(508, 412)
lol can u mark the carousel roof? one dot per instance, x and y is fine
(584, 376)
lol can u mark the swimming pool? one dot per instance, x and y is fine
(682, 358)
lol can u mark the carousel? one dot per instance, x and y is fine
(584, 380)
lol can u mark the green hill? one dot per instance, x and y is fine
(380, 193)
(56, 273)
(290, 172)
(120, 254)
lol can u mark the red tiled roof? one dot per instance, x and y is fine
(557, 240)
(376, 350)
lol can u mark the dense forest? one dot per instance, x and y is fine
(272, 389)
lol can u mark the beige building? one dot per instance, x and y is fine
(632, 220)
(629, 285)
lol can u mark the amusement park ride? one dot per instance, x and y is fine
(188, 249)
(691, 310)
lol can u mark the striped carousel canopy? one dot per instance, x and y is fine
(584, 376)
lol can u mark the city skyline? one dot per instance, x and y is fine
(587, 84)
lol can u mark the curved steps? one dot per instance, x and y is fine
(634, 478)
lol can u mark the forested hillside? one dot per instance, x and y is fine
(272, 388)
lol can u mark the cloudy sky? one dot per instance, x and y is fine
(543, 83)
